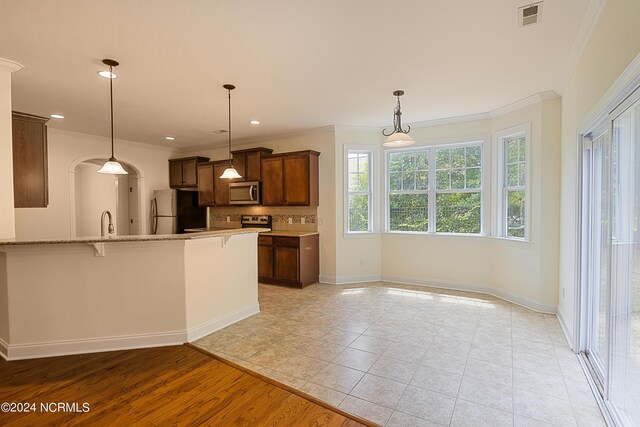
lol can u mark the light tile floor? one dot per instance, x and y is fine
(414, 356)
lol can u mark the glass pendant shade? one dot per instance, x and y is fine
(113, 167)
(230, 173)
(398, 139)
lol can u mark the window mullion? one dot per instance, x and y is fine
(431, 211)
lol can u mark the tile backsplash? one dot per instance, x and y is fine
(280, 215)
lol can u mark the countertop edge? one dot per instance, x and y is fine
(134, 238)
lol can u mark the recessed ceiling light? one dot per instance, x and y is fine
(254, 122)
(169, 138)
(57, 116)
(107, 74)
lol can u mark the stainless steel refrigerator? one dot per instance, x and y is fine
(173, 211)
(164, 212)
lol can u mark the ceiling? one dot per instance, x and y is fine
(297, 64)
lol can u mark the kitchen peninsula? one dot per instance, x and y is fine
(91, 294)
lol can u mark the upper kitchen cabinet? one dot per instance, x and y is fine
(248, 162)
(206, 190)
(30, 171)
(221, 185)
(290, 179)
(184, 172)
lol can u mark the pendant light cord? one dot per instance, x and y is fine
(111, 97)
(230, 158)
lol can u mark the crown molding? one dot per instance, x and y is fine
(450, 120)
(591, 17)
(357, 129)
(534, 99)
(255, 139)
(9, 65)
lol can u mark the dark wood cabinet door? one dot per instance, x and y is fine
(220, 185)
(296, 179)
(239, 163)
(30, 168)
(252, 166)
(189, 173)
(285, 263)
(272, 181)
(175, 173)
(206, 196)
(265, 261)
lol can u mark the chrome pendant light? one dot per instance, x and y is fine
(399, 137)
(111, 166)
(230, 172)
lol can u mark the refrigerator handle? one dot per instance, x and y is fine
(154, 211)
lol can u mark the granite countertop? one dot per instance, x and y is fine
(283, 233)
(134, 238)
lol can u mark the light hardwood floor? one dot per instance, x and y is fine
(160, 386)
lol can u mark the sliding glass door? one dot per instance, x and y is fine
(599, 251)
(611, 260)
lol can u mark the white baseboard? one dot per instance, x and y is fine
(93, 345)
(124, 342)
(222, 322)
(355, 278)
(473, 287)
(567, 333)
(458, 286)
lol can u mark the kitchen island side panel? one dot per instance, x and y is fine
(61, 295)
(221, 282)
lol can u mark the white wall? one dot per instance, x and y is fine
(66, 149)
(7, 220)
(612, 45)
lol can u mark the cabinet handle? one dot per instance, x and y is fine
(308, 248)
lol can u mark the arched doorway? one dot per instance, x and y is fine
(92, 193)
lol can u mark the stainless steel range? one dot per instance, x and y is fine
(257, 221)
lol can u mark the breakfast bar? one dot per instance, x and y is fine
(96, 294)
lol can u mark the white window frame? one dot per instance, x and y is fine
(431, 149)
(501, 186)
(359, 149)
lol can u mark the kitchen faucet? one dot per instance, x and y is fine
(111, 230)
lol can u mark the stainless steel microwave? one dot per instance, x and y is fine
(244, 193)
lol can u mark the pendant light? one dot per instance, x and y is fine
(230, 172)
(111, 166)
(399, 137)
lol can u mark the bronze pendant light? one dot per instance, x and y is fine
(230, 172)
(112, 166)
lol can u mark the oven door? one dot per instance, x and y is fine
(244, 193)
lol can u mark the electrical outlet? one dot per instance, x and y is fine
(361, 261)
(302, 220)
(290, 221)
(228, 218)
(563, 293)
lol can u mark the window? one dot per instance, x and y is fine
(435, 189)
(408, 191)
(358, 182)
(458, 183)
(512, 180)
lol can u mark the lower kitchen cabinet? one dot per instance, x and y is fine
(289, 260)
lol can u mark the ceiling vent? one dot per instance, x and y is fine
(529, 15)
